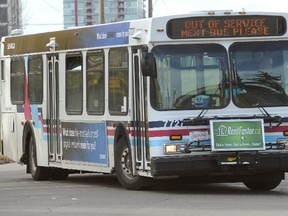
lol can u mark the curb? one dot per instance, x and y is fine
(4, 162)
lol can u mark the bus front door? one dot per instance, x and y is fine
(53, 108)
(141, 147)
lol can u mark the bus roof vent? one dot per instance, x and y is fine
(17, 32)
(52, 45)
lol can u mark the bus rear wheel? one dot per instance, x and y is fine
(38, 173)
(123, 167)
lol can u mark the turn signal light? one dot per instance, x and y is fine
(176, 137)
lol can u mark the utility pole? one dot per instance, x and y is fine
(101, 12)
(76, 12)
(150, 8)
(15, 6)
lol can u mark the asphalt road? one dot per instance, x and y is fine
(94, 194)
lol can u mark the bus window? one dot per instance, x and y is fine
(260, 73)
(118, 81)
(95, 83)
(74, 84)
(17, 80)
(2, 70)
(35, 80)
(190, 77)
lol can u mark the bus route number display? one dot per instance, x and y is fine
(228, 26)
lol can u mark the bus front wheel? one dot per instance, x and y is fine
(38, 173)
(262, 186)
(123, 167)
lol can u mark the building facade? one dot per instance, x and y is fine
(86, 12)
(10, 16)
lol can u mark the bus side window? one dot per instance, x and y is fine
(17, 80)
(118, 81)
(74, 84)
(35, 80)
(95, 83)
(2, 70)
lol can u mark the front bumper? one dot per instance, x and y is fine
(220, 164)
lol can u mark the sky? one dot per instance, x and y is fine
(47, 15)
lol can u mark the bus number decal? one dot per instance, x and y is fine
(11, 46)
(174, 123)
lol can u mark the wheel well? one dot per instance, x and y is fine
(27, 134)
(121, 133)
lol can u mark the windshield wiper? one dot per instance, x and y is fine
(199, 120)
(210, 104)
(239, 86)
(273, 121)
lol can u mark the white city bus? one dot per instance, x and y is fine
(202, 96)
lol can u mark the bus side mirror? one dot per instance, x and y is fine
(148, 65)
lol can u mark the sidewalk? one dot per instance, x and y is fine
(11, 167)
(6, 164)
(5, 160)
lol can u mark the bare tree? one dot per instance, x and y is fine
(16, 17)
(25, 12)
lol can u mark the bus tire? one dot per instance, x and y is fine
(38, 173)
(262, 185)
(123, 167)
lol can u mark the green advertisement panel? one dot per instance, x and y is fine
(237, 135)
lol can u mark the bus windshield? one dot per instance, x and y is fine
(196, 76)
(260, 73)
(190, 77)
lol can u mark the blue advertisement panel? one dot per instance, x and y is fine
(85, 142)
(104, 35)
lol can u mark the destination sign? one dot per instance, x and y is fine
(226, 26)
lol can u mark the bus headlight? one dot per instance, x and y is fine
(172, 148)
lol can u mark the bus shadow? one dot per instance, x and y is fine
(175, 186)
(106, 180)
